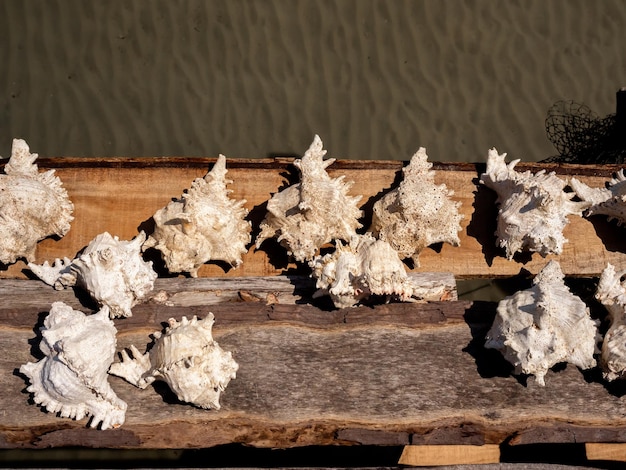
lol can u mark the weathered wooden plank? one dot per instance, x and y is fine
(121, 195)
(387, 375)
(393, 374)
(187, 292)
(25, 302)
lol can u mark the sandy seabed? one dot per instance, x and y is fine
(375, 79)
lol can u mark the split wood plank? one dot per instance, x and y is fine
(426, 456)
(394, 374)
(120, 195)
(188, 292)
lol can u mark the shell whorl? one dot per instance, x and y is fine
(72, 377)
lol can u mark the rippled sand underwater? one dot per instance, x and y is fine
(375, 79)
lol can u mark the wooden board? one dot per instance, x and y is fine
(604, 451)
(394, 374)
(426, 456)
(120, 195)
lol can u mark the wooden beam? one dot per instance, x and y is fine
(121, 195)
(393, 374)
(188, 292)
(605, 451)
(426, 456)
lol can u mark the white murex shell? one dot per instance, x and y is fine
(609, 201)
(33, 205)
(363, 268)
(611, 292)
(545, 325)
(72, 377)
(187, 358)
(316, 211)
(203, 225)
(418, 213)
(533, 208)
(112, 271)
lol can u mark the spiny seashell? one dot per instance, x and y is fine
(364, 267)
(314, 212)
(609, 201)
(203, 225)
(418, 212)
(33, 205)
(545, 325)
(187, 358)
(112, 271)
(72, 377)
(611, 292)
(533, 208)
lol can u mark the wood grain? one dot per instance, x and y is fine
(393, 374)
(425, 456)
(187, 292)
(121, 195)
(604, 451)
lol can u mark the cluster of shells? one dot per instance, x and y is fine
(318, 223)
(79, 349)
(547, 324)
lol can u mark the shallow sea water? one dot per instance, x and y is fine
(375, 79)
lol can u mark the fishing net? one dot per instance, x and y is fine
(581, 136)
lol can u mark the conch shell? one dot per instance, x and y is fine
(537, 328)
(611, 292)
(33, 205)
(418, 212)
(112, 271)
(187, 358)
(203, 225)
(363, 268)
(314, 212)
(72, 377)
(609, 201)
(533, 208)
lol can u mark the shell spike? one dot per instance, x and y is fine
(609, 200)
(217, 175)
(22, 162)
